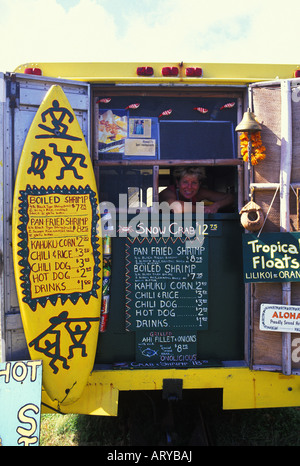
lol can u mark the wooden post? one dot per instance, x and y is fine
(155, 183)
(285, 178)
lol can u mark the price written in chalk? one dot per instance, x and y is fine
(167, 285)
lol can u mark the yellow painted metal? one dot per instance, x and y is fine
(242, 388)
(213, 73)
(57, 254)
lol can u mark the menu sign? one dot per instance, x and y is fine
(166, 284)
(58, 259)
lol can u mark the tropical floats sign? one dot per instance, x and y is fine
(271, 257)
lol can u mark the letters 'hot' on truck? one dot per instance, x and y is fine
(208, 295)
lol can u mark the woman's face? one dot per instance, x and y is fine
(189, 186)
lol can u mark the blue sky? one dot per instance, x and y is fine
(196, 31)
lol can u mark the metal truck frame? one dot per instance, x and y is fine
(267, 374)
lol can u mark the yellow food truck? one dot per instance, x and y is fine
(221, 313)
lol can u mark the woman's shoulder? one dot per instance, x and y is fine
(168, 193)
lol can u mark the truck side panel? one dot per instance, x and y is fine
(2, 101)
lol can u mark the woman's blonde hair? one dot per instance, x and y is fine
(179, 172)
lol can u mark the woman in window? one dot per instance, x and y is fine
(187, 190)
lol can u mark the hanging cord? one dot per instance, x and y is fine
(268, 211)
(296, 192)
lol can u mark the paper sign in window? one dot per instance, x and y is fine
(138, 147)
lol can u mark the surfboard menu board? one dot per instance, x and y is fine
(56, 250)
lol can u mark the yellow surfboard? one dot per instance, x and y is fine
(56, 251)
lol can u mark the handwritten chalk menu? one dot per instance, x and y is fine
(166, 284)
(166, 347)
(59, 251)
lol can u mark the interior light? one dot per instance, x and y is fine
(193, 72)
(35, 71)
(169, 71)
(144, 71)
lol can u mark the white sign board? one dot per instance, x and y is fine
(20, 403)
(279, 318)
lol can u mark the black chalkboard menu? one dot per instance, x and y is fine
(167, 347)
(166, 296)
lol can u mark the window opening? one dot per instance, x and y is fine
(217, 179)
(141, 178)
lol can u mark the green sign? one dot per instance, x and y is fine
(20, 403)
(166, 348)
(166, 284)
(271, 257)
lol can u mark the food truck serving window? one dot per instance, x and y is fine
(139, 184)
